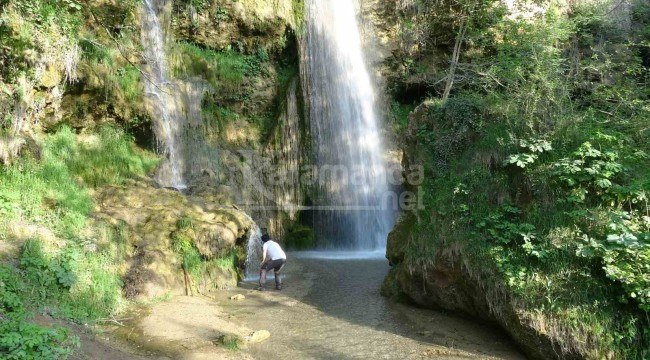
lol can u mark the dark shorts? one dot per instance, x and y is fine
(276, 265)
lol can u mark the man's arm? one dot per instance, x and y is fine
(264, 255)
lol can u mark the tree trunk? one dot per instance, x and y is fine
(454, 58)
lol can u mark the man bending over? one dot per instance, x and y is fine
(272, 258)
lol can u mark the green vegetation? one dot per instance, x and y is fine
(49, 19)
(128, 78)
(232, 342)
(224, 70)
(20, 339)
(195, 264)
(67, 66)
(299, 237)
(234, 78)
(52, 191)
(399, 114)
(62, 268)
(216, 116)
(538, 164)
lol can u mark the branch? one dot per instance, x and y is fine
(437, 82)
(491, 77)
(114, 320)
(99, 45)
(615, 7)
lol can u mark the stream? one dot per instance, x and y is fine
(329, 308)
(341, 315)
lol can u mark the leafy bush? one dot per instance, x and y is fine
(19, 338)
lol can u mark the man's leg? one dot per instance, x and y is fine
(278, 275)
(263, 277)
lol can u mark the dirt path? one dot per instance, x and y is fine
(329, 309)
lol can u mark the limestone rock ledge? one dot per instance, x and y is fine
(453, 282)
(241, 24)
(151, 217)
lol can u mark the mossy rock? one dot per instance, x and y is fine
(51, 78)
(300, 238)
(399, 237)
(173, 235)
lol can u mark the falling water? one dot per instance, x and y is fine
(351, 212)
(253, 250)
(158, 89)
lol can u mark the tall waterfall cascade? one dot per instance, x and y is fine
(159, 89)
(351, 207)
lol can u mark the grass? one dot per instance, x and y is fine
(128, 78)
(95, 52)
(224, 70)
(217, 117)
(231, 342)
(70, 267)
(399, 116)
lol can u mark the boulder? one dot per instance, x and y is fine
(257, 336)
(152, 219)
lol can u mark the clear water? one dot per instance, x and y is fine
(341, 255)
(350, 213)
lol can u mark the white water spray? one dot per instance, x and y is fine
(353, 214)
(253, 250)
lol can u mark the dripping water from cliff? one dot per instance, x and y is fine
(351, 210)
(253, 250)
(166, 116)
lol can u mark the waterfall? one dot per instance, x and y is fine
(166, 112)
(253, 250)
(351, 211)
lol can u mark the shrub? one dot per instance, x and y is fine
(19, 338)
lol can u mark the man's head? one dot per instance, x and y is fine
(265, 238)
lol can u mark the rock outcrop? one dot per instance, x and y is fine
(152, 219)
(241, 25)
(453, 281)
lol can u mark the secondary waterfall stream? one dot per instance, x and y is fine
(253, 251)
(350, 206)
(166, 115)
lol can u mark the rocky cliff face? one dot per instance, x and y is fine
(260, 162)
(234, 67)
(246, 24)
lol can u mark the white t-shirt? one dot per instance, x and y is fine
(273, 250)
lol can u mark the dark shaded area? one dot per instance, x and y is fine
(411, 92)
(143, 135)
